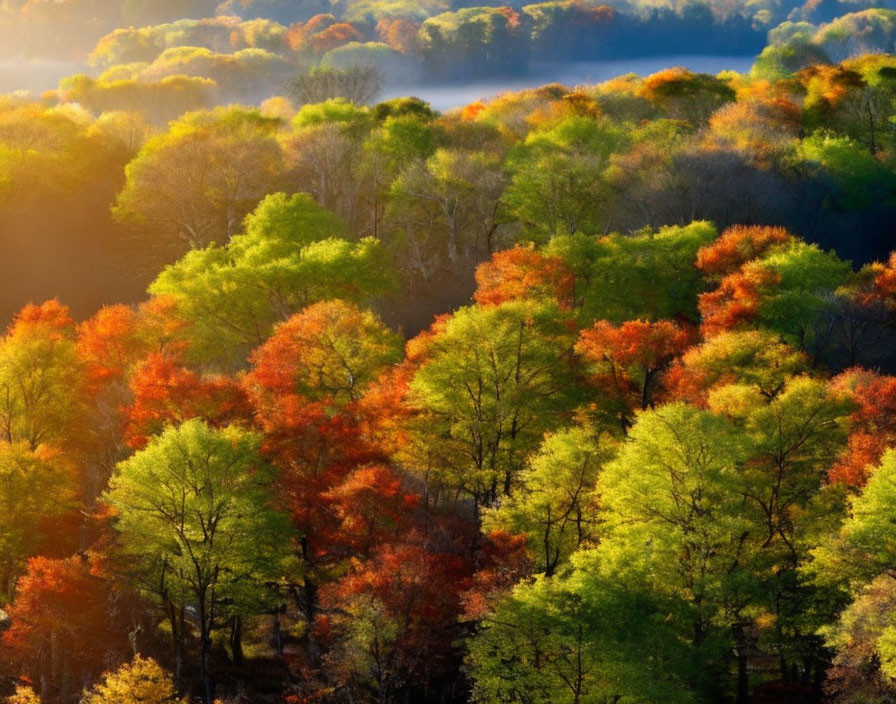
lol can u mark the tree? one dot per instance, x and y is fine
(37, 493)
(42, 378)
(627, 361)
(575, 638)
(321, 159)
(738, 245)
(794, 437)
(648, 276)
(387, 618)
(873, 424)
(447, 210)
(754, 358)
(23, 695)
(357, 84)
(761, 129)
(556, 505)
(291, 255)
(792, 440)
(674, 519)
(373, 507)
(863, 549)
(522, 272)
(863, 639)
(493, 381)
(195, 516)
(110, 342)
(782, 61)
(687, 96)
(331, 351)
(141, 681)
(307, 386)
(860, 559)
(558, 184)
(194, 184)
(64, 625)
(164, 393)
(790, 290)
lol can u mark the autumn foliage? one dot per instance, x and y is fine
(523, 273)
(738, 245)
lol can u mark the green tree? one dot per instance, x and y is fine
(753, 358)
(859, 560)
(494, 380)
(558, 184)
(194, 515)
(801, 302)
(648, 276)
(578, 638)
(42, 379)
(446, 212)
(556, 505)
(675, 520)
(792, 440)
(194, 184)
(36, 489)
(865, 546)
(292, 254)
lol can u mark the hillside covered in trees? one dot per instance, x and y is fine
(573, 395)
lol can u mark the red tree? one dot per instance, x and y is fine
(628, 360)
(738, 245)
(67, 625)
(735, 303)
(167, 393)
(873, 424)
(523, 273)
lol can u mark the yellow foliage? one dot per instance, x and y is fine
(23, 695)
(141, 681)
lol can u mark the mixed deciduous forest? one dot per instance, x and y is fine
(570, 395)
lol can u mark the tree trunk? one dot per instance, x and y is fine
(236, 640)
(743, 680)
(176, 618)
(204, 649)
(278, 636)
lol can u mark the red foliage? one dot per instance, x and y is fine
(400, 34)
(511, 15)
(503, 562)
(318, 23)
(317, 429)
(66, 627)
(373, 508)
(635, 343)
(685, 383)
(737, 246)
(333, 37)
(417, 593)
(418, 348)
(161, 326)
(629, 359)
(470, 112)
(108, 342)
(873, 424)
(384, 408)
(523, 273)
(735, 303)
(167, 393)
(49, 316)
(883, 283)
